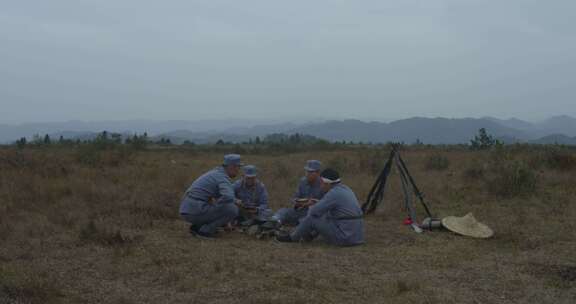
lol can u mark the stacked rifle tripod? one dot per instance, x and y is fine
(409, 189)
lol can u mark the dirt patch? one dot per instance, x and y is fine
(564, 273)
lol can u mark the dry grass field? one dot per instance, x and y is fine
(77, 227)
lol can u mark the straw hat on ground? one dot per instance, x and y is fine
(468, 226)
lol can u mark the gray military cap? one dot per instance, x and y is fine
(250, 171)
(233, 159)
(313, 166)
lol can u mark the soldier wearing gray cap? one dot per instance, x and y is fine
(209, 202)
(337, 217)
(251, 196)
(309, 192)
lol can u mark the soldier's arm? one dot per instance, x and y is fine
(227, 195)
(324, 205)
(237, 200)
(236, 188)
(263, 204)
(299, 192)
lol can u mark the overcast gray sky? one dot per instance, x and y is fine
(132, 59)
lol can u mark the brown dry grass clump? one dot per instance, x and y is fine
(102, 227)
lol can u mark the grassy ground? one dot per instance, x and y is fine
(84, 227)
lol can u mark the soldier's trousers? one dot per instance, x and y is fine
(211, 216)
(290, 216)
(311, 227)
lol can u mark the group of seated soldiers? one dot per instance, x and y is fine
(322, 205)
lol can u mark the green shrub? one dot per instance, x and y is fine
(88, 155)
(28, 287)
(95, 234)
(339, 163)
(559, 160)
(512, 178)
(373, 161)
(118, 156)
(437, 162)
(155, 205)
(5, 228)
(16, 159)
(93, 155)
(280, 170)
(474, 171)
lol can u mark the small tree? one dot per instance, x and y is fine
(116, 137)
(21, 143)
(483, 141)
(164, 141)
(139, 142)
(418, 142)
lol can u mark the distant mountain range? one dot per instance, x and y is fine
(565, 125)
(558, 129)
(71, 129)
(427, 130)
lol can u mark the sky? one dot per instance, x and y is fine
(268, 59)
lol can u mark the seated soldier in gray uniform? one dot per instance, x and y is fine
(209, 203)
(251, 196)
(309, 192)
(337, 217)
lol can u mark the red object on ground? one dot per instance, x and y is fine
(408, 221)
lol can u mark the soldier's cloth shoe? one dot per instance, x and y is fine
(247, 223)
(195, 231)
(270, 225)
(284, 238)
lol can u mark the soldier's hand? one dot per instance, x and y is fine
(309, 203)
(239, 203)
(300, 203)
(229, 227)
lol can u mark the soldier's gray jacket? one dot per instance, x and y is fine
(252, 197)
(307, 190)
(213, 185)
(340, 207)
